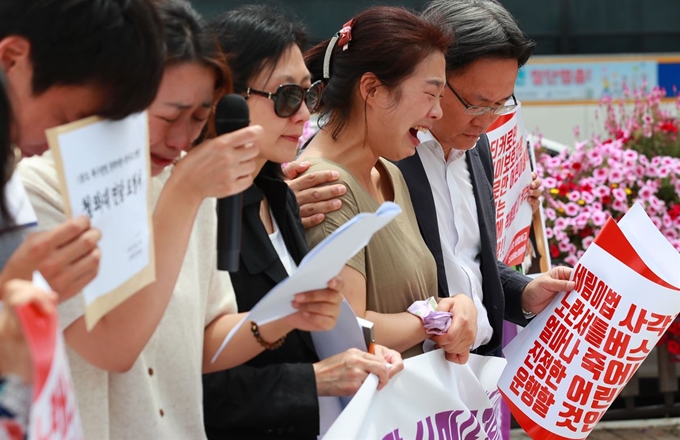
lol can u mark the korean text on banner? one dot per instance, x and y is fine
(567, 366)
(104, 173)
(54, 413)
(512, 176)
(431, 398)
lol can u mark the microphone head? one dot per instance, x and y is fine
(231, 114)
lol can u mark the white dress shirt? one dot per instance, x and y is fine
(330, 407)
(454, 202)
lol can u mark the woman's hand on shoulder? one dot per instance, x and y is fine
(220, 167)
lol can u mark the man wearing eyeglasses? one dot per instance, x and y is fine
(450, 177)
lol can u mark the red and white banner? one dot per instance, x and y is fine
(432, 398)
(567, 366)
(54, 413)
(512, 176)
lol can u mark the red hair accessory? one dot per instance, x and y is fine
(346, 34)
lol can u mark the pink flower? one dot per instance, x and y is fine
(663, 171)
(656, 204)
(595, 158)
(586, 242)
(572, 249)
(588, 197)
(599, 218)
(630, 155)
(581, 220)
(571, 209)
(579, 254)
(571, 260)
(550, 214)
(560, 224)
(563, 246)
(667, 221)
(549, 182)
(615, 175)
(600, 175)
(549, 233)
(620, 194)
(620, 206)
(646, 192)
(574, 196)
(602, 191)
(657, 222)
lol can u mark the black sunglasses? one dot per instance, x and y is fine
(288, 98)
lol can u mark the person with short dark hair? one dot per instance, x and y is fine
(63, 61)
(285, 392)
(385, 74)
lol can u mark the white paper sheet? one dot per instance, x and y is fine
(324, 262)
(105, 167)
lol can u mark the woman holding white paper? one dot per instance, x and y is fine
(385, 75)
(285, 390)
(138, 373)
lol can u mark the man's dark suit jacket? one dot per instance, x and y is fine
(274, 394)
(501, 286)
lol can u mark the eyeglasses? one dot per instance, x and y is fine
(288, 98)
(478, 110)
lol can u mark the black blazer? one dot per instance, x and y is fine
(274, 394)
(501, 286)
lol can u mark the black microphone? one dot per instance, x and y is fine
(231, 114)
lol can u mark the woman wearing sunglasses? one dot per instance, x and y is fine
(285, 392)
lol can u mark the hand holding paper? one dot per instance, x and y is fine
(317, 309)
(541, 290)
(103, 169)
(67, 255)
(568, 365)
(324, 262)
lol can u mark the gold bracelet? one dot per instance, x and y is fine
(267, 345)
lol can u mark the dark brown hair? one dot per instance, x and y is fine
(188, 38)
(386, 41)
